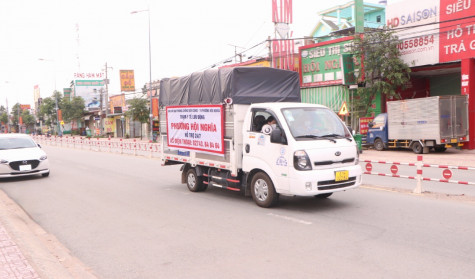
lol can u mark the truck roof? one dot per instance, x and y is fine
(244, 85)
(281, 105)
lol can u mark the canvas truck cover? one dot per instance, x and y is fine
(245, 85)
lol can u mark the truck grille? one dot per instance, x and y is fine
(326, 163)
(332, 184)
(16, 164)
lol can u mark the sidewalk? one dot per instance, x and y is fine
(27, 251)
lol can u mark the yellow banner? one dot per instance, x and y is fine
(127, 81)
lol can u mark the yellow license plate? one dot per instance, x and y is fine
(453, 140)
(341, 175)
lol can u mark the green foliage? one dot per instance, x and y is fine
(384, 71)
(3, 115)
(138, 110)
(47, 109)
(72, 109)
(28, 118)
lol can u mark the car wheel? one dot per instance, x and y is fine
(45, 174)
(263, 191)
(323, 196)
(417, 147)
(378, 145)
(194, 182)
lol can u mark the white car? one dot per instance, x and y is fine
(20, 155)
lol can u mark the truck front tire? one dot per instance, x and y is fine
(378, 145)
(263, 191)
(194, 182)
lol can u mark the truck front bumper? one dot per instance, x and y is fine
(314, 182)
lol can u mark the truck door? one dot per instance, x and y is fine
(260, 153)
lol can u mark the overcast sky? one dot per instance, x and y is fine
(81, 36)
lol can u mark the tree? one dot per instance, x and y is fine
(48, 108)
(3, 116)
(383, 71)
(72, 109)
(138, 110)
(28, 119)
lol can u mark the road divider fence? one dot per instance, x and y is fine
(113, 145)
(419, 165)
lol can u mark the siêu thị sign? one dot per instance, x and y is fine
(327, 63)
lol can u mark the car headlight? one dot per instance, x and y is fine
(44, 157)
(301, 160)
(3, 161)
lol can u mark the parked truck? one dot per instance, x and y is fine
(213, 122)
(422, 124)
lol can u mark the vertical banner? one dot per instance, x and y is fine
(155, 107)
(127, 80)
(196, 128)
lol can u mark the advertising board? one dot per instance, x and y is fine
(321, 62)
(197, 127)
(90, 91)
(417, 24)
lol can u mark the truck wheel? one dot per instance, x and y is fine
(417, 147)
(194, 182)
(378, 145)
(263, 191)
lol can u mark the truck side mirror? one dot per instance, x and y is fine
(370, 124)
(278, 136)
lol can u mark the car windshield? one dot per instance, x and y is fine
(16, 143)
(314, 123)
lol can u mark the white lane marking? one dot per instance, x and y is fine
(295, 220)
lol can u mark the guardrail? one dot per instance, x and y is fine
(446, 173)
(112, 145)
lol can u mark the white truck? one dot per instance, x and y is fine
(211, 122)
(421, 124)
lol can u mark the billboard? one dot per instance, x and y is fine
(321, 62)
(433, 32)
(127, 80)
(457, 33)
(417, 23)
(117, 101)
(90, 91)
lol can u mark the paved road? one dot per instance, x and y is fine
(127, 217)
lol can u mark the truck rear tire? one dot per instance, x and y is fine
(263, 191)
(194, 182)
(417, 147)
(378, 145)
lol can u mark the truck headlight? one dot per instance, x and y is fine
(357, 158)
(301, 160)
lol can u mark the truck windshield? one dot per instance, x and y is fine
(310, 123)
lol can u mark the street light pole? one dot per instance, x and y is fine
(150, 68)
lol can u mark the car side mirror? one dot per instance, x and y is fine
(39, 145)
(370, 124)
(278, 136)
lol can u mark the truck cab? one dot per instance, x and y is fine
(378, 132)
(309, 152)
